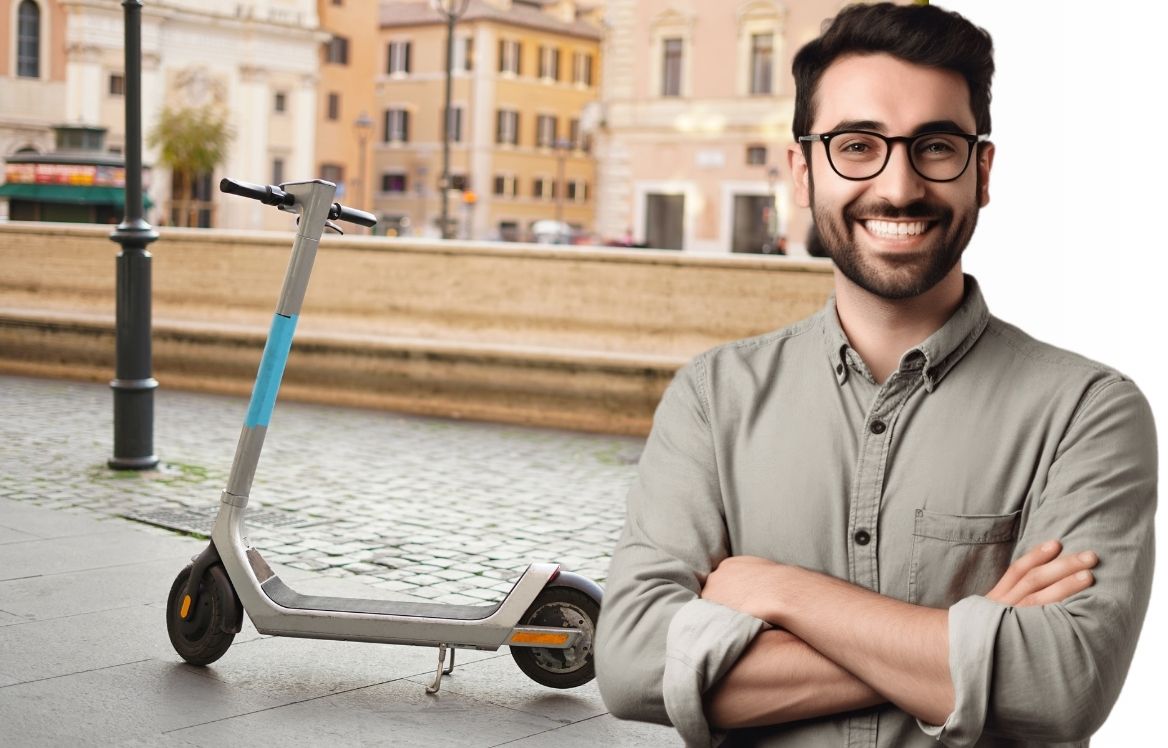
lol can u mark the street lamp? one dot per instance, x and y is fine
(451, 10)
(563, 147)
(364, 126)
(772, 213)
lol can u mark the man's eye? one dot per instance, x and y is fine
(855, 147)
(936, 148)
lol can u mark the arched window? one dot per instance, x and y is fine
(28, 40)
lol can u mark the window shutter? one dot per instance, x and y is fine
(405, 126)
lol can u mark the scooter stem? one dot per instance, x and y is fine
(313, 201)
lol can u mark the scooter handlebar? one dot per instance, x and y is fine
(266, 194)
(352, 215)
(272, 195)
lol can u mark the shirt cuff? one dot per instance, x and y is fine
(705, 639)
(973, 632)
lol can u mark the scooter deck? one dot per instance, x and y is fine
(283, 595)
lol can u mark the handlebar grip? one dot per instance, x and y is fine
(266, 194)
(352, 215)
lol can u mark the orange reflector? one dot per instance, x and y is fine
(186, 608)
(530, 637)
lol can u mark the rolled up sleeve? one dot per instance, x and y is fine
(659, 647)
(1052, 673)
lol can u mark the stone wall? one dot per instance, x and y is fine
(572, 337)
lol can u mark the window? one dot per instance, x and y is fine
(455, 124)
(549, 63)
(543, 189)
(334, 106)
(398, 58)
(117, 84)
(756, 155)
(761, 62)
(334, 173)
(394, 182)
(396, 127)
(464, 54)
(336, 51)
(281, 102)
(574, 133)
(459, 182)
(671, 68)
(277, 171)
(577, 190)
(510, 57)
(28, 40)
(545, 131)
(582, 69)
(507, 126)
(506, 185)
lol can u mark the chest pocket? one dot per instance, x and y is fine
(958, 555)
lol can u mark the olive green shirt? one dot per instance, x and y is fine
(982, 444)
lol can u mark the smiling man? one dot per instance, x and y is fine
(902, 520)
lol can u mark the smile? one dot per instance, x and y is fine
(896, 229)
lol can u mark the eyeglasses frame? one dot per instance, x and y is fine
(890, 141)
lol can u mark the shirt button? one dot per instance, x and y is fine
(877, 427)
(862, 537)
(839, 369)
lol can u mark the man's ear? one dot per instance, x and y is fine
(985, 160)
(797, 167)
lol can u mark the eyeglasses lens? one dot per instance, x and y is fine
(936, 156)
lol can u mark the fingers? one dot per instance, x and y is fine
(1033, 558)
(1042, 577)
(1039, 578)
(1060, 590)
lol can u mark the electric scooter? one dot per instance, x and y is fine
(548, 619)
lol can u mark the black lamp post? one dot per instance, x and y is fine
(451, 10)
(133, 384)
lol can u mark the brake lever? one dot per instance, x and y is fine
(328, 225)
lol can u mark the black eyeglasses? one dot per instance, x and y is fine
(861, 154)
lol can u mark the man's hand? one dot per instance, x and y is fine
(742, 583)
(1042, 577)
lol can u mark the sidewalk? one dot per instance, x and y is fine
(369, 503)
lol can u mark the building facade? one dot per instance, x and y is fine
(255, 61)
(697, 105)
(346, 105)
(524, 77)
(32, 78)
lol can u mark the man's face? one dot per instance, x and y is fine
(896, 235)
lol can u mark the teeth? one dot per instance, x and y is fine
(895, 228)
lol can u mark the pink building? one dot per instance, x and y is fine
(697, 106)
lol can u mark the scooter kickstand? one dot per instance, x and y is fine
(442, 669)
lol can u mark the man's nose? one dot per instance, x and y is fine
(899, 183)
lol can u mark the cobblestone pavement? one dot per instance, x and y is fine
(446, 510)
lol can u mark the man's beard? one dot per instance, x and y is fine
(902, 277)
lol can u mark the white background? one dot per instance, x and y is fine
(1072, 246)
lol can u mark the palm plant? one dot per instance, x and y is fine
(191, 141)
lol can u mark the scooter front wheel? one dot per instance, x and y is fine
(560, 607)
(204, 634)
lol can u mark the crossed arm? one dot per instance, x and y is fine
(838, 647)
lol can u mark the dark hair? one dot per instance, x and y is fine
(920, 34)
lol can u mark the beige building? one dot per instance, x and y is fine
(257, 59)
(32, 78)
(697, 106)
(525, 75)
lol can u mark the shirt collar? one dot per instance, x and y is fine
(939, 353)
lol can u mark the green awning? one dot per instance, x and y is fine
(69, 194)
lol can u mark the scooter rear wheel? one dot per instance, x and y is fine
(204, 635)
(560, 607)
